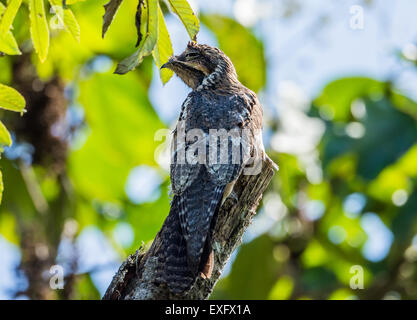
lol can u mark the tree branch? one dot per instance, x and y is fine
(135, 277)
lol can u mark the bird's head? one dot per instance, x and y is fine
(202, 64)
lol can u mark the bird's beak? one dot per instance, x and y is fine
(168, 64)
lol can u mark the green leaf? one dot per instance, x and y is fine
(163, 49)
(10, 99)
(388, 134)
(148, 41)
(147, 218)
(110, 11)
(318, 279)
(129, 63)
(2, 9)
(71, 24)
(5, 139)
(245, 282)
(18, 198)
(405, 222)
(183, 10)
(8, 226)
(8, 44)
(84, 288)
(66, 18)
(282, 289)
(100, 167)
(8, 16)
(152, 30)
(39, 28)
(337, 97)
(234, 39)
(74, 1)
(1, 187)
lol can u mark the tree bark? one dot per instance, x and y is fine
(135, 278)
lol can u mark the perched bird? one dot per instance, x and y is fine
(200, 180)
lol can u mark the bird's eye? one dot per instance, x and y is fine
(191, 55)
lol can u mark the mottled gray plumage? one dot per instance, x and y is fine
(217, 101)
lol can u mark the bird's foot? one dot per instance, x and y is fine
(270, 161)
(234, 197)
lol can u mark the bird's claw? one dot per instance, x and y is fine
(234, 197)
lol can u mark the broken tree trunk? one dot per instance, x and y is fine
(135, 278)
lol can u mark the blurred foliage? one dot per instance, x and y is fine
(368, 158)
(101, 128)
(10, 99)
(234, 39)
(153, 36)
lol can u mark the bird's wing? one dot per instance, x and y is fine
(183, 173)
(240, 116)
(199, 188)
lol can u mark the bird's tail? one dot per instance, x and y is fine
(172, 266)
(186, 246)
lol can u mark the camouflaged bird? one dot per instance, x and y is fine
(218, 101)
